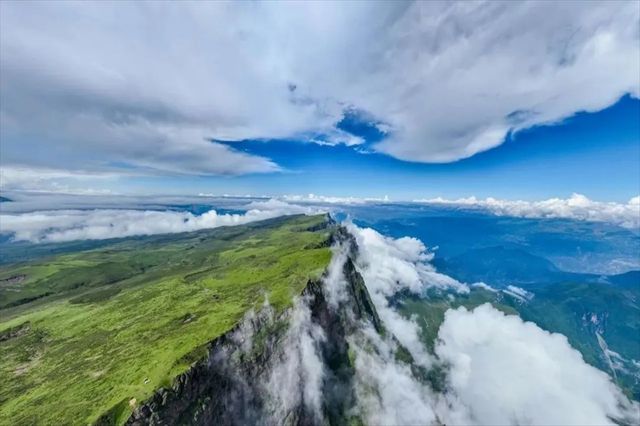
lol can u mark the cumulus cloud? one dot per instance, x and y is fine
(68, 225)
(506, 371)
(394, 264)
(430, 74)
(575, 207)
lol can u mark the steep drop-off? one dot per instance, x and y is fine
(295, 368)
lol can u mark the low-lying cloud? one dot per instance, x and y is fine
(68, 225)
(576, 207)
(394, 264)
(505, 371)
(387, 391)
(500, 370)
(297, 377)
(389, 266)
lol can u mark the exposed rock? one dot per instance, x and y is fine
(16, 331)
(15, 279)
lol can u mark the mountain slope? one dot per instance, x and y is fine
(497, 265)
(597, 319)
(500, 266)
(264, 325)
(99, 331)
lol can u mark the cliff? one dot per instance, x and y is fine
(256, 373)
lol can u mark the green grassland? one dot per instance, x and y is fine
(84, 333)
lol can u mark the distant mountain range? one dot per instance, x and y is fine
(500, 266)
(574, 246)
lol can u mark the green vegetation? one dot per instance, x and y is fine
(580, 310)
(86, 333)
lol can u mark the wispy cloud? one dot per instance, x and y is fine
(43, 179)
(519, 293)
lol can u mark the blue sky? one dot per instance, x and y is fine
(427, 99)
(595, 154)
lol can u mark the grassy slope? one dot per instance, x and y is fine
(118, 322)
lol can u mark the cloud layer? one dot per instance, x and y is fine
(97, 216)
(505, 371)
(575, 207)
(68, 225)
(442, 80)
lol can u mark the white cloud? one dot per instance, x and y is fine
(336, 137)
(470, 72)
(313, 198)
(443, 80)
(323, 199)
(334, 280)
(68, 225)
(484, 286)
(387, 391)
(44, 179)
(389, 266)
(506, 371)
(500, 370)
(575, 207)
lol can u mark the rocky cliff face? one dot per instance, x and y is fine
(293, 369)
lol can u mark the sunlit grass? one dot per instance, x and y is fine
(143, 316)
